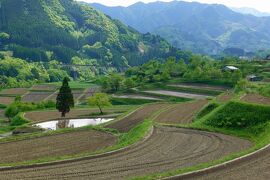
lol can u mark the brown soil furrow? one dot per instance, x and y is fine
(137, 117)
(181, 113)
(36, 96)
(255, 166)
(256, 98)
(6, 100)
(55, 146)
(225, 97)
(14, 91)
(169, 149)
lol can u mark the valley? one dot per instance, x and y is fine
(161, 90)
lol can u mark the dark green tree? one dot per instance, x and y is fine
(64, 100)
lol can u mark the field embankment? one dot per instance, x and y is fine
(167, 149)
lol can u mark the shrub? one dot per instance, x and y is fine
(2, 106)
(239, 115)
(209, 108)
(18, 120)
(17, 107)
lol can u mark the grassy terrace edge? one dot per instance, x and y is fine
(259, 142)
(125, 140)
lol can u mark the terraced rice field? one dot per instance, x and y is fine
(137, 97)
(6, 100)
(256, 98)
(55, 146)
(44, 87)
(225, 97)
(36, 96)
(2, 114)
(255, 167)
(89, 92)
(78, 93)
(167, 149)
(181, 113)
(41, 116)
(178, 94)
(136, 117)
(14, 91)
(201, 86)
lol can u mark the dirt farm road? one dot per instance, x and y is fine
(167, 149)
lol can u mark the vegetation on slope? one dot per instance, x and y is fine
(42, 30)
(202, 28)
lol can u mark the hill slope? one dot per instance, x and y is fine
(202, 28)
(43, 30)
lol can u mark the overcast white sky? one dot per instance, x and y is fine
(262, 5)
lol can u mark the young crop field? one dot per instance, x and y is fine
(55, 146)
(181, 113)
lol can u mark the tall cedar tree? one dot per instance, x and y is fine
(64, 100)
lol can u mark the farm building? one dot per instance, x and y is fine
(267, 57)
(230, 68)
(254, 78)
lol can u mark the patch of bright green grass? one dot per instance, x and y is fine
(75, 84)
(257, 130)
(130, 101)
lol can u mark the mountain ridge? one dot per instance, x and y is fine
(201, 28)
(44, 30)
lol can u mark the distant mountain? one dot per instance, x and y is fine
(43, 30)
(202, 28)
(251, 11)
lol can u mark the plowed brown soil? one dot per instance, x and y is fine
(6, 100)
(14, 91)
(55, 146)
(225, 97)
(44, 87)
(256, 98)
(202, 86)
(36, 96)
(167, 149)
(137, 117)
(255, 167)
(181, 113)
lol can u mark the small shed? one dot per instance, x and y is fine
(267, 58)
(254, 78)
(230, 68)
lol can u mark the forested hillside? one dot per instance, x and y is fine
(202, 28)
(44, 30)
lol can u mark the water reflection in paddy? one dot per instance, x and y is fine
(72, 123)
